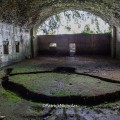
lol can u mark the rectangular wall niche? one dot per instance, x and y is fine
(17, 46)
(6, 47)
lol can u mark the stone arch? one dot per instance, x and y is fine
(102, 10)
(40, 21)
(30, 12)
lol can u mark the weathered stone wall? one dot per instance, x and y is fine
(118, 42)
(97, 44)
(12, 36)
(36, 46)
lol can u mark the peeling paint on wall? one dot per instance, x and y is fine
(10, 34)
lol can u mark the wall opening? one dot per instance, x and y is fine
(74, 22)
(52, 45)
(72, 49)
(5, 47)
(17, 46)
(75, 32)
(53, 48)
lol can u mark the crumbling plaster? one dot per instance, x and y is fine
(13, 35)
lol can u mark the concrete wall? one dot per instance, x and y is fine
(12, 34)
(118, 42)
(36, 46)
(85, 44)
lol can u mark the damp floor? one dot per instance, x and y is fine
(16, 108)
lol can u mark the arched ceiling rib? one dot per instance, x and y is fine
(32, 12)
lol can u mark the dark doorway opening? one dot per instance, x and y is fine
(53, 48)
(72, 49)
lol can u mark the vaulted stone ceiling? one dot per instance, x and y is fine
(33, 12)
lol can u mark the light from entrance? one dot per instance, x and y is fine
(72, 48)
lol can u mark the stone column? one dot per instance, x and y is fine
(113, 43)
(118, 42)
(31, 42)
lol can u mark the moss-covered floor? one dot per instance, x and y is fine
(58, 84)
(16, 108)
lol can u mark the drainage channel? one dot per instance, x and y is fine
(29, 95)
